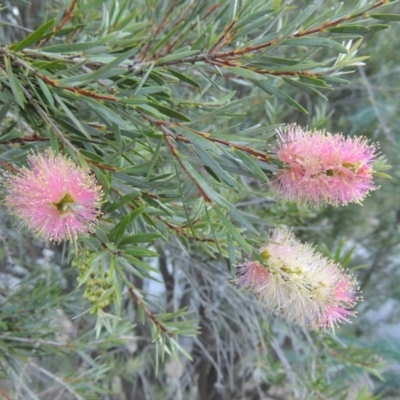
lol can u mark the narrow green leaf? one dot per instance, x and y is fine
(54, 141)
(70, 114)
(358, 28)
(236, 214)
(315, 42)
(272, 90)
(137, 251)
(262, 21)
(169, 112)
(339, 250)
(307, 12)
(15, 85)
(382, 175)
(347, 257)
(232, 255)
(158, 204)
(279, 60)
(5, 108)
(245, 21)
(313, 81)
(184, 78)
(165, 39)
(140, 263)
(118, 231)
(102, 179)
(229, 107)
(232, 230)
(68, 47)
(34, 36)
(142, 316)
(140, 238)
(386, 17)
(106, 113)
(295, 68)
(304, 87)
(336, 80)
(124, 200)
(201, 182)
(199, 43)
(150, 111)
(215, 166)
(245, 73)
(45, 90)
(251, 165)
(90, 5)
(378, 27)
(177, 55)
(104, 72)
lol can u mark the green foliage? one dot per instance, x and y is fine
(173, 105)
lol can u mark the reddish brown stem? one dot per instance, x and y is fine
(146, 48)
(5, 395)
(258, 154)
(8, 166)
(167, 136)
(192, 178)
(26, 139)
(320, 28)
(180, 231)
(101, 166)
(222, 39)
(149, 314)
(53, 82)
(67, 17)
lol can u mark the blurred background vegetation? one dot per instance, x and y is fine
(48, 346)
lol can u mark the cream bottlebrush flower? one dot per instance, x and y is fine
(322, 168)
(54, 198)
(300, 284)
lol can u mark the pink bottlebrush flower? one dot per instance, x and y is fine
(322, 168)
(54, 198)
(299, 284)
(253, 274)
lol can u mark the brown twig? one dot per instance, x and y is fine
(161, 26)
(49, 121)
(8, 166)
(167, 136)
(180, 231)
(175, 153)
(149, 314)
(319, 28)
(67, 17)
(53, 82)
(256, 153)
(221, 58)
(4, 394)
(181, 18)
(26, 139)
(221, 41)
(101, 166)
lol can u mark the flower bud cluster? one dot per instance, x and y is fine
(99, 289)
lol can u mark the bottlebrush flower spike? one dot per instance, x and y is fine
(300, 284)
(322, 168)
(54, 198)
